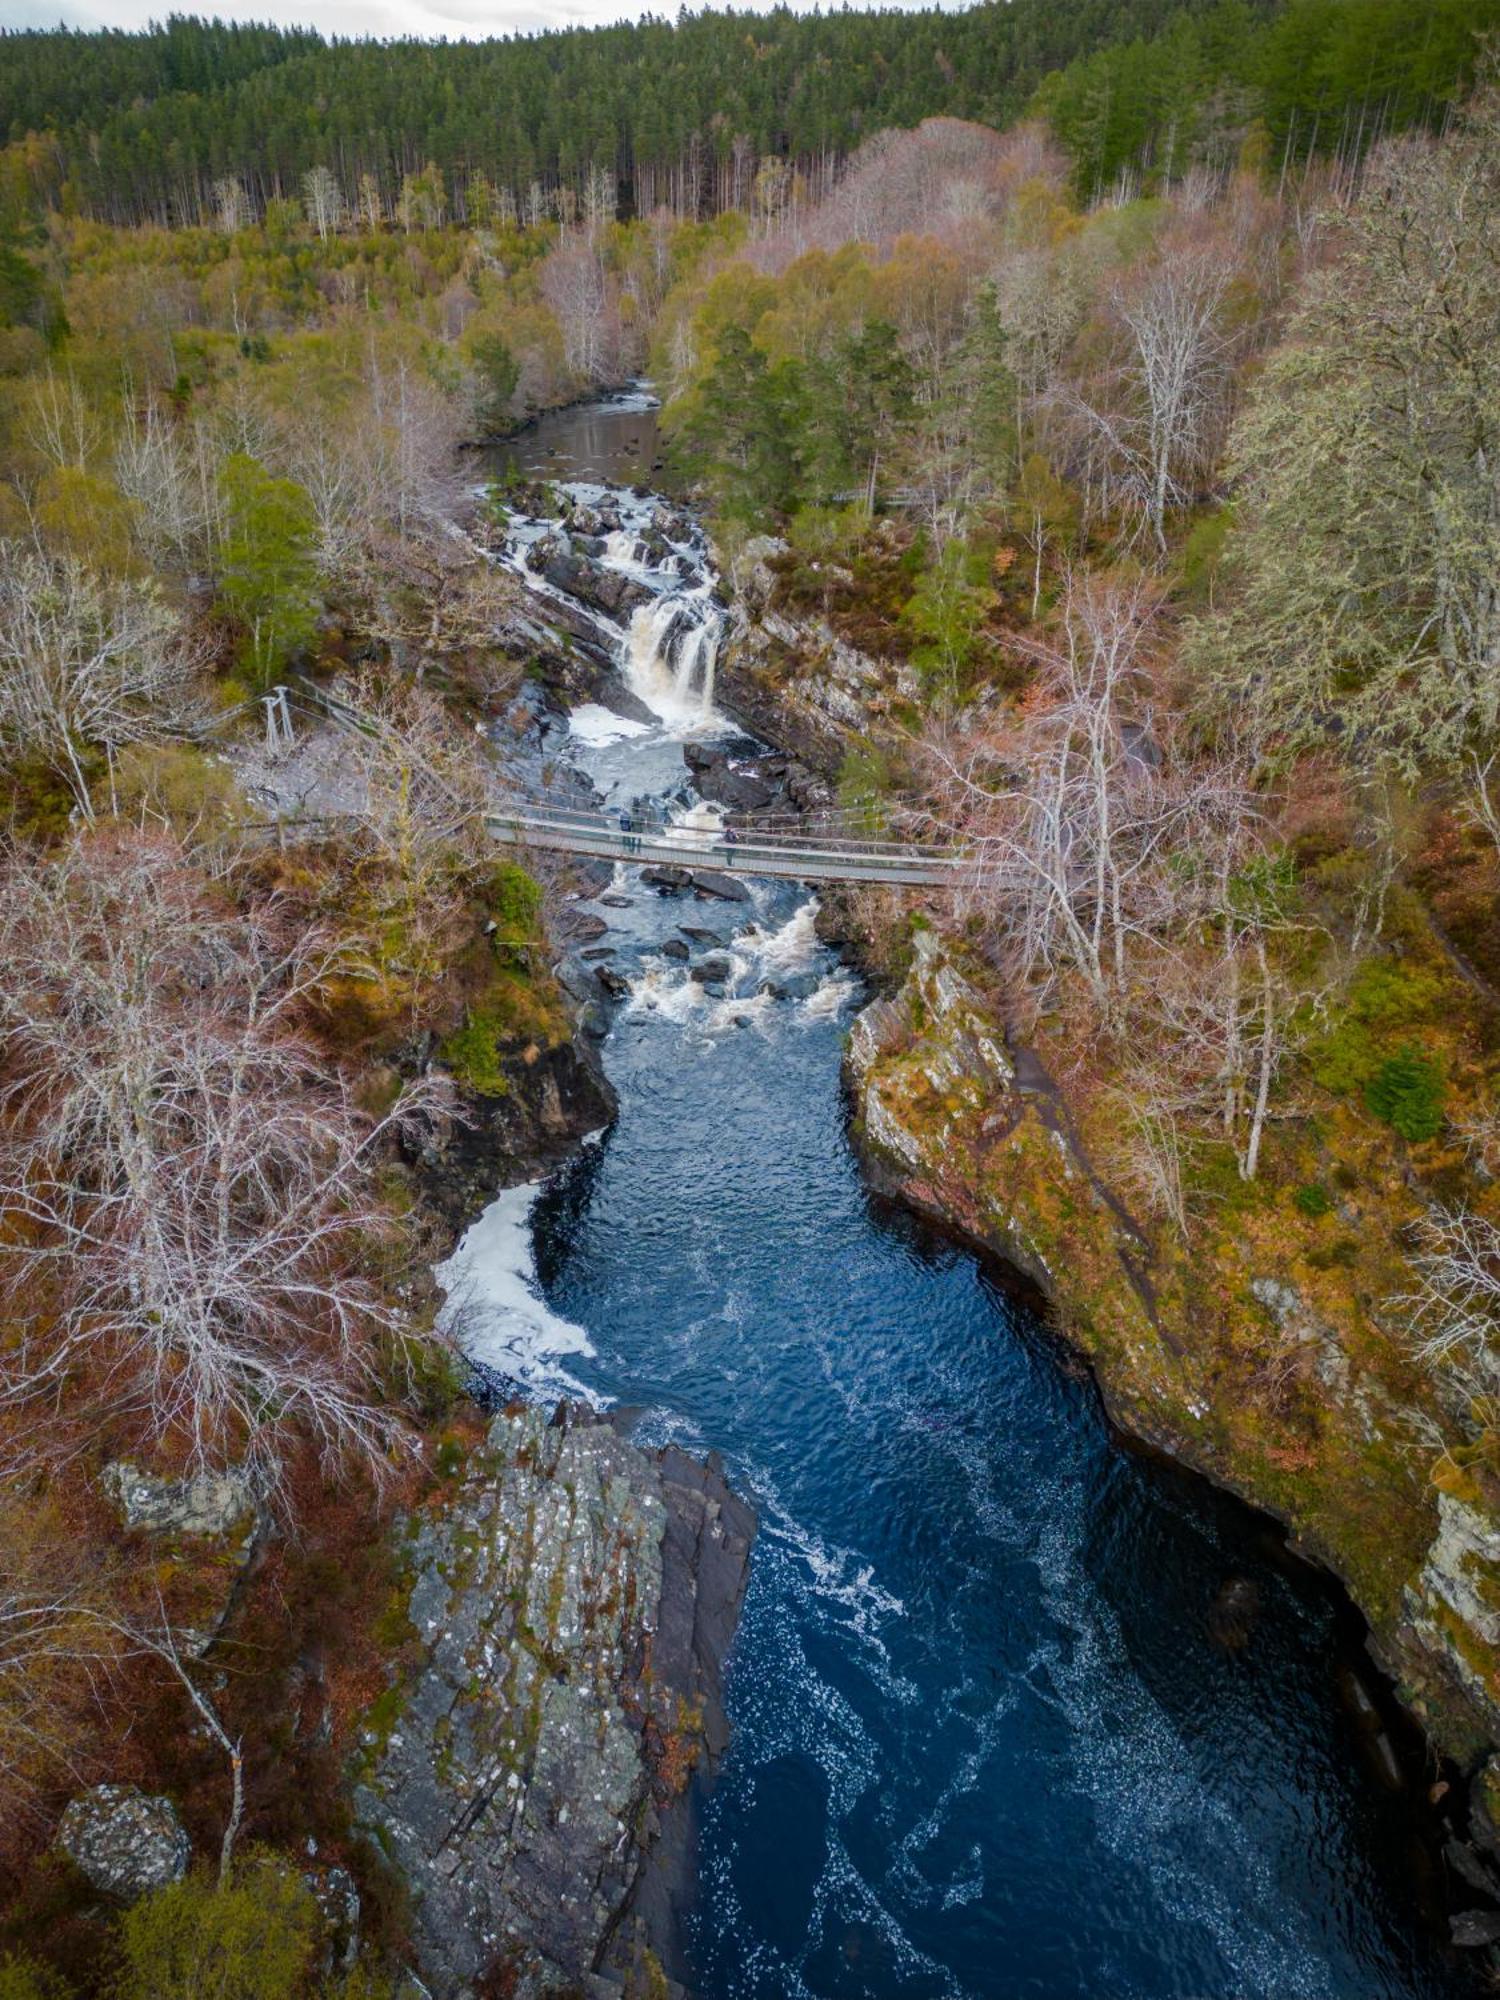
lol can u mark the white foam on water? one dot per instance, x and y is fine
(596, 725)
(494, 1309)
(830, 999)
(793, 947)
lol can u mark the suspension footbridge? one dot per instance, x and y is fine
(810, 854)
(828, 846)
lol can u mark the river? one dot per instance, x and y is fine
(1017, 1711)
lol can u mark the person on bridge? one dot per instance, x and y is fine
(631, 842)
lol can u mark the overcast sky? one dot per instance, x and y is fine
(453, 18)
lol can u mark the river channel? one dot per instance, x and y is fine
(1017, 1710)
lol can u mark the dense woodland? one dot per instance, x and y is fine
(1152, 436)
(174, 125)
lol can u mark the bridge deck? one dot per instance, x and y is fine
(687, 848)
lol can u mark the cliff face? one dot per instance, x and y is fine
(796, 680)
(1266, 1351)
(530, 1771)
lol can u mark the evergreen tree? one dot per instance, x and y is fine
(267, 566)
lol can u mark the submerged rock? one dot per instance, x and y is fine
(125, 1841)
(530, 1777)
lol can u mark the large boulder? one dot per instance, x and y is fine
(529, 1774)
(125, 1841)
(203, 1503)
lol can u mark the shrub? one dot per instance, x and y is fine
(1407, 1092)
(1313, 1199)
(255, 1938)
(25, 1979)
(515, 900)
(173, 784)
(473, 1054)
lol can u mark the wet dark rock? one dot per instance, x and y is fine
(596, 952)
(613, 902)
(612, 693)
(581, 925)
(605, 589)
(792, 986)
(697, 934)
(1473, 1929)
(1472, 1868)
(668, 877)
(723, 888)
(716, 966)
(573, 1603)
(674, 948)
(740, 791)
(553, 1097)
(614, 983)
(1231, 1619)
(125, 1841)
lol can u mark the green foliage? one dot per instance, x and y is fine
(515, 904)
(946, 617)
(28, 1979)
(1407, 1092)
(474, 1055)
(498, 373)
(857, 399)
(135, 122)
(864, 789)
(1385, 995)
(1313, 1199)
(1362, 561)
(173, 784)
(1303, 77)
(1201, 551)
(267, 564)
(253, 1939)
(740, 437)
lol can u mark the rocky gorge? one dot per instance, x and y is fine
(801, 683)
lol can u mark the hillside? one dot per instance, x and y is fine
(132, 128)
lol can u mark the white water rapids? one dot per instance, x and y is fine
(666, 649)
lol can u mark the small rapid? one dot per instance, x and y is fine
(992, 1738)
(667, 645)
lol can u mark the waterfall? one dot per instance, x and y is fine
(669, 649)
(669, 656)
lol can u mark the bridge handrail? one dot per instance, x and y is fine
(584, 819)
(740, 854)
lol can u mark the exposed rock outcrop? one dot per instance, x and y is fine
(795, 681)
(555, 1095)
(205, 1503)
(124, 1841)
(531, 1778)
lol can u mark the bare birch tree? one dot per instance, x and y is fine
(1071, 812)
(1154, 427)
(87, 663)
(574, 285)
(188, 1182)
(324, 201)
